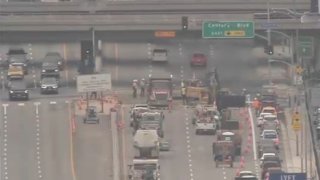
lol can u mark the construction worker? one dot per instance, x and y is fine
(134, 88)
(256, 106)
(142, 87)
(183, 94)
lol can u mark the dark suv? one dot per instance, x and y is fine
(54, 57)
(18, 90)
(49, 85)
(50, 69)
(17, 56)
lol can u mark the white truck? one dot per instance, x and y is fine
(146, 144)
(144, 169)
(206, 119)
(159, 55)
(152, 120)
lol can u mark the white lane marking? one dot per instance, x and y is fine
(3, 158)
(253, 134)
(37, 108)
(180, 49)
(5, 108)
(38, 139)
(211, 50)
(149, 50)
(53, 102)
(224, 173)
(2, 80)
(30, 51)
(20, 104)
(188, 145)
(181, 72)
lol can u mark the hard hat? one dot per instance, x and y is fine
(135, 80)
(255, 98)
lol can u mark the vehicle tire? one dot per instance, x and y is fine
(84, 120)
(57, 92)
(10, 98)
(197, 132)
(27, 98)
(191, 64)
(231, 165)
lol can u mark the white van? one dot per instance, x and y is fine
(159, 55)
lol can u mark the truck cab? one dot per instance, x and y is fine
(159, 91)
(160, 55)
(146, 144)
(152, 120)
(144, 169)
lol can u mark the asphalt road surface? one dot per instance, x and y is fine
(36, 140)
(125, 62)
(190, 156)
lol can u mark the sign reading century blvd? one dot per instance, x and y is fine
(228, 29)
(93, 82)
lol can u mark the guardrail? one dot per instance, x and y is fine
(141, 22)
(314, 148)
(142, 7)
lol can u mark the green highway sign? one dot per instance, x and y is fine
(227, 29)
(306, 46)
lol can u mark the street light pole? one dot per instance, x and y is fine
(269, 43)
(93, 43)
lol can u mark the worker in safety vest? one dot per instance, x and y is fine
(256, 105)
(183, 94)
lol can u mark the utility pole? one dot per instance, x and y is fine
(93, 43)
(269, 43)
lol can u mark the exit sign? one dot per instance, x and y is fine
(228, 29)
(288, 176)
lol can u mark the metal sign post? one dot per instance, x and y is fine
(296, 125)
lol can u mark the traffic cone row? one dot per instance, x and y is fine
(242, 162)
(120, 124)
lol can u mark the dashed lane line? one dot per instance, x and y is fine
(211, 50)
(4, 158)
(191, 174)
(180, 49)
(181, 73)
(2, 81)
(224, 173)
(38, 154)
(30, 51)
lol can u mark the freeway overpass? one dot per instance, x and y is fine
(142, 7)
(136, 22)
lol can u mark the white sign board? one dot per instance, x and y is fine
(93, 82)
(298, 80)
